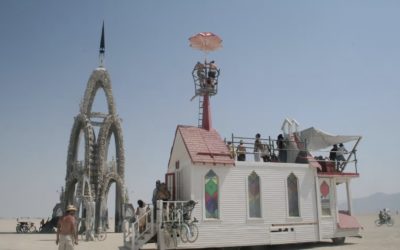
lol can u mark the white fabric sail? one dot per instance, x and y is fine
(317, 139)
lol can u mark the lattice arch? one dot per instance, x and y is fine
(99, 79)
(111, 126)
(81, 123)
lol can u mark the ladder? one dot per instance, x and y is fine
(200, 117)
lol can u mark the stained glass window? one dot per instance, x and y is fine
(325, 197)
(211, 195)
(293, 195)
(253, 182)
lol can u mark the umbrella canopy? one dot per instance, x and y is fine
(317, 139)
(205, 41)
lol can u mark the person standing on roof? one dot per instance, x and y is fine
(231, 150)
(241, 151)
(201, 73)
(332, 154)
(212, 73)
(340, 154)
(258, 148)
(281, 144)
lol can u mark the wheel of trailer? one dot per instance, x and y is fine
(390, 222)
(339, 240)
(18, 229)
(378, 222)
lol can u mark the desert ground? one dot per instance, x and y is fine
(373, 238)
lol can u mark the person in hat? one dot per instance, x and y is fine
(241, 151)
(66, 230)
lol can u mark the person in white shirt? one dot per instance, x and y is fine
(341, 152)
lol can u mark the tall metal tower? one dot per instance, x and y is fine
(205, 75)
(88, 182)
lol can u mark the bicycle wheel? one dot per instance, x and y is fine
(32, 229)
(102, 235)
(390, 222)
(83, 235)
(167, 237)
(378, 222)
(184, 233)
(174, 237)
(193, 233)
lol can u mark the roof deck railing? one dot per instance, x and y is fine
(293, 151)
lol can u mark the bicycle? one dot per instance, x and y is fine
(180, 225)
(189, 230)
(100, 235)
(388, 221)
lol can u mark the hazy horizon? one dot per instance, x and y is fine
(331, 65)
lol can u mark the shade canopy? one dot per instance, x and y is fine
(205, 41)
(317, 139)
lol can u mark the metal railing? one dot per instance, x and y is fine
(132, 235)
(294, 151)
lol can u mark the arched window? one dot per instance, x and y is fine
(211, 195)
(293, 195)
(253, 187)
(325, 191)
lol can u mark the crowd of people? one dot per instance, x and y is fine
(261, 151)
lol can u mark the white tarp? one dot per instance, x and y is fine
(317, 139)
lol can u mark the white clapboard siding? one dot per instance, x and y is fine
(328, 227)
(234, 228)
(179, 153)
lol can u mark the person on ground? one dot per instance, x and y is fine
(140, 212)
(154, 199)
(67, 235)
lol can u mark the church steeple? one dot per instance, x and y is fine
(102, 47)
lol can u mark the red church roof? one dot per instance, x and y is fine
(205, 146)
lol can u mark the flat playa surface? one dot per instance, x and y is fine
(373, 238)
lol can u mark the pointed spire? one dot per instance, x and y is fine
(102, 47)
